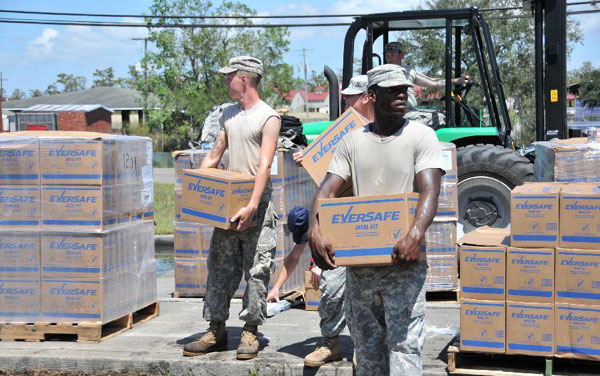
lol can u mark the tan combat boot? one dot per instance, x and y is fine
(215, 339)
(248, 348)
(328, 352)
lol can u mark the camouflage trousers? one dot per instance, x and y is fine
(232, 254)
(388, 315)
(331, 304)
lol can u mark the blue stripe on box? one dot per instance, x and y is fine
(148, 214)
(528, 306)
(18, 189)
(69, 189)
(482, 250)
(578, 295)
(70, 176)
(534, 197)
(583, 197)
(578, 350)
(69, 269)
(580, 239)
(361, 252)
(313, 144)
(206, 178)
(544, 294)
(362, 202)
(579, 254)
(19, 176)
(19, 223)
(445, 213)
(72, 315)
(70, 222)
(19, 314)
(520, 346)
(187, 251)
(441, 250)
(70, 281)
(198, 214)
(575, 309)
(530, 253)
(68, 142)
(187, 286)
(242, 182)
(534, 238)
(21, 269)
(482, 290)
(489, 344)
(311, 303)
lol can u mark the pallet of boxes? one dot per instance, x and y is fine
(198, 190)
(76, 235)
(540, 296)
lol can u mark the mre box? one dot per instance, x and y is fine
(577, 277)
(20, 207)
(20, 299)
(319, 153)
(364, 230)
(530, 275)
(19, 160)
(213, 196)
(76, 208)
(529, 328)
(580, 216)
(577, 330)
(483, 264)
(19, 255)
(482, 325)
(534, 215)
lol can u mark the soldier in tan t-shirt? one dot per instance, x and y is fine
(250, 130)
(389, 155)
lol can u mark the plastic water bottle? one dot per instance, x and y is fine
(274, 308)
(592, 135)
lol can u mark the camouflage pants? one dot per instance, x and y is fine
(388, 314)
(331, 304)
(233, 254)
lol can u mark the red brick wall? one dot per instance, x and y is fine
(98, 120)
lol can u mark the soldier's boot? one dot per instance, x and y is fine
(215, 339)
(329, 351)
(248, 348)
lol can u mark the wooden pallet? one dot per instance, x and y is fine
(462, 362)
(80, 332)
(291, 295)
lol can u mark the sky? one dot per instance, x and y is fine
(31, 56)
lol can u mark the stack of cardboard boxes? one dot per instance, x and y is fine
(75, 244)
(552, 295)
(193, 228)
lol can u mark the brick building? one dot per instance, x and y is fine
(90, 118)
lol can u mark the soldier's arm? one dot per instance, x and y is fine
(213, 157)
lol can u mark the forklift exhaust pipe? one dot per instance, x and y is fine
(334, 93)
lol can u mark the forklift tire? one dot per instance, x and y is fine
(486, 176)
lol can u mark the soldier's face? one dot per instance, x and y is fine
(390, 101)
(235, 83)
(394, 57)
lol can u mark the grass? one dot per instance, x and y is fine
(164, 208)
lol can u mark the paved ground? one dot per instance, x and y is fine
(164, 175)
(156, 345)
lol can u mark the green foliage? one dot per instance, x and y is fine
(106, 78)
(513, 40)
(66, 83)
(164, 207)
(35, 93)
(589, 85)
(182, 66)
(17, 94)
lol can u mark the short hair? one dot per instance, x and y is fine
(253, 78)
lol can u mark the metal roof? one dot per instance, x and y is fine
(114, 98)
(66, 108)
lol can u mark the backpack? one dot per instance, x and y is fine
(291, 129)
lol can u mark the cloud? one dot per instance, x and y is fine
(366, 6)
(43, 44)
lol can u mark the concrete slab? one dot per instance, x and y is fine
(155, 346)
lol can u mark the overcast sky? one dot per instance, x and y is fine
(32, 55)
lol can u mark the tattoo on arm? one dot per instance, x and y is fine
(219, 145)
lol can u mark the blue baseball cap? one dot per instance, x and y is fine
(298, 224)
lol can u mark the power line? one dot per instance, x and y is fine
(585, 3)
(162, 25)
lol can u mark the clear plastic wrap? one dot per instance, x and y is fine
(442, 256)
(568, 161)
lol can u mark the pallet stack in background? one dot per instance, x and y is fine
(551, 287)
(292, 186)
(440, 238)
(76, 235)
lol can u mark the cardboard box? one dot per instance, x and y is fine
(80, 208)
(482, 325)
(449, 163)
(20, 300)
(19, 207)
(447, 202)
(580, 216)
(529, 328)
(19, 255)
(312, 294)
(190, 275)
(188, 240)
(364, 230)
(577, 331)
(534, 210)
(483, 264)
(71, 161)
(72, 300)
(577, 276)
(19, 161)
(570, 160)
(442, 272)
(73, 256)
(530, 275)
(440, 238)
(319, 153)
(213, 196)
(191, 160)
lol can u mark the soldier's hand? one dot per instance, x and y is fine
(298, 157)
(315, 276)
(408, 248)
(244, 217)
(273, 295)
(321, 248)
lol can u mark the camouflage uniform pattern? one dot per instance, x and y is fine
(331, 304)
(388, 315)
(232, 253)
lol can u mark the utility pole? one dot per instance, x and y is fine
(1, 100)
(145, 78)
(305, 83)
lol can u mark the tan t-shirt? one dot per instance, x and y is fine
(386, 165)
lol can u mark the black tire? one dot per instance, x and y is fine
(486, 175)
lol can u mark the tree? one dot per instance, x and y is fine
(51, 89)
(513, 40)
(182, 70)
(589, 86)
(70, 82)
(17, 94)
(317, 80)
(36, 93)
(106, 78)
